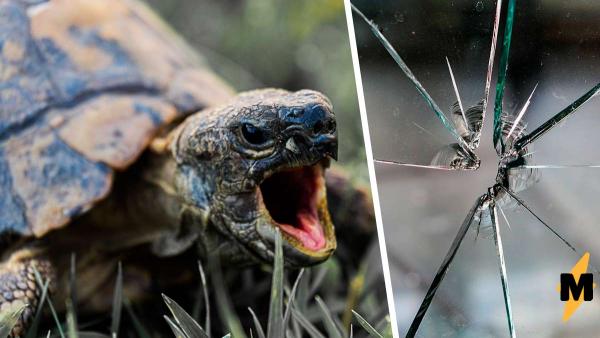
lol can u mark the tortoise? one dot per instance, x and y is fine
(115, 136)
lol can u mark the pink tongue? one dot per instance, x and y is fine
(309, 232)
(311, 225)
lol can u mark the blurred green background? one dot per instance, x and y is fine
(272, 43)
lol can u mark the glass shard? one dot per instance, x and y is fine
(388, 46)
(556, 119)
(503, 274)
(407, 134)
(441, 273)
(502, 70)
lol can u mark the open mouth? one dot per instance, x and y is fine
(296, 201)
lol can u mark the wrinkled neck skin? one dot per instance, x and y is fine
(151, 204)
(185, 194)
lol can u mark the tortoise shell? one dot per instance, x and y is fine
(84, 86)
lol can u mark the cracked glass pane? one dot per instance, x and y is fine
(531, 182)
(431, 39)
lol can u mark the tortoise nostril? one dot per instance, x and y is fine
(324, 127)
(318, 127)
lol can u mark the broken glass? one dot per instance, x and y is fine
(552, 75)
(455, 94)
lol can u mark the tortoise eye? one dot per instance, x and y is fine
(253, 134)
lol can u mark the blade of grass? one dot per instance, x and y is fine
(33, 329)
(73, 288)
(187, 324)
(296, 328)
(224, 307)
(334, 329)
(318, 279)
(71, 323)
(300, 301)
(365, 325)
(306, 324)
(286, 316)
(175, 328)
(9, 318)
(90, 323)
(40, 282)
(275, 324)
(117, 305)
(303, 293)
(137, 325)
(205, 297)
(259, 329)
(88, 334)
(290, 334)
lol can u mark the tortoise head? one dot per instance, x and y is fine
(256, 165)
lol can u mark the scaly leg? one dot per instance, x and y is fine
(18, 284)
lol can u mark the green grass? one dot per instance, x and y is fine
(312, 306)
(279, 324)
(9, 317)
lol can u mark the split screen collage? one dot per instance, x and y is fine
(290, 169)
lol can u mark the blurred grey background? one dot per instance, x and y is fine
(272, 43)
(555, 44)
